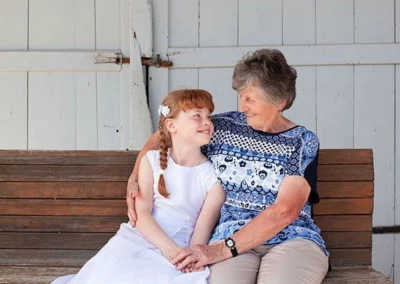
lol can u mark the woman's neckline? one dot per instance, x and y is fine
(275, 133)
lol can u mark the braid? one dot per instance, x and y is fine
(163, 161)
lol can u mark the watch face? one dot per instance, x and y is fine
(229, 243)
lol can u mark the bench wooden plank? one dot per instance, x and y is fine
(65, 172)
(82, 157)
(65, 157)
(345, 156)
(29, 240)
(122, 172)
(98, 190)
(341, 223)
(45, 257)
(44, 275)
(355, 276)
(347, 239)
(345, 257)
(336, 223)
(346, 172)
(92, 190)
(118, 207)
(76, 258)
(86, 224)
(345, 189)
(33, 275)
(48, 207)
(344, 206)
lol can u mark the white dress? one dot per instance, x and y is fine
(128, 258)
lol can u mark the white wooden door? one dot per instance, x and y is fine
(52, 93)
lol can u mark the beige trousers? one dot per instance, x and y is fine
(296, 261)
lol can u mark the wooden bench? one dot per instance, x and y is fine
(58, 208)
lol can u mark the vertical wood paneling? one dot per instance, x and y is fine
(396, 273)
(86, 111)
(218, 23)
(61, 24)
(109, 107)
(303, 111)
(374, 21)
(260, 22)
(218, 82)
(108, 110)
(298, 22)
(13, 14)
(183, 79)
(13, 110)
(397, 23)
(158, 85)
(335, 106)
(107, 24)
(183, 23)
(397, 175)
(374, 128)
(125, 75)
(334, 21)
(383, 254)
(51, 111)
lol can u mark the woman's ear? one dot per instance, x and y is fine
(281, 106)
(170, 125)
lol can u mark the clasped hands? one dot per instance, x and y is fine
(196, 257)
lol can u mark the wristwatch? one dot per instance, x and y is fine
(230, 244)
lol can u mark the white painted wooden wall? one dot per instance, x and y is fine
(346, 54)
(49, 98)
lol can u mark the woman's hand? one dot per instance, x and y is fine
(201, 255)
(132, 190)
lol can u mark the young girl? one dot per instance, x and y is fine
(179, 203)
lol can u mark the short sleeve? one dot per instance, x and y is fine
(209, 176)
(309, 163)
(308, 151)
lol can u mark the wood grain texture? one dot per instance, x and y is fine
(59, 190)
(345, 156)
(84, 224)
(65, 172)
(57, 207)
(344, 206)
(346, 172)
(80, 157)
(344, 223)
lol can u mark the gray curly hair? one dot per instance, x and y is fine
(268, 70)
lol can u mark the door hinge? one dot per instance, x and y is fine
(116, 58)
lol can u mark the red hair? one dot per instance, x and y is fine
(177, 101)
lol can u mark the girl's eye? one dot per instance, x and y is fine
(197, 115)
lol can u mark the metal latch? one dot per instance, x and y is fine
(101, 58)
(116, 58)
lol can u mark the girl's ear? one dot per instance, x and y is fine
(170, 125)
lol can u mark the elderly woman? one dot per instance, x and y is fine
(267, 165)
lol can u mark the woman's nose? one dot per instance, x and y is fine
(242, 106)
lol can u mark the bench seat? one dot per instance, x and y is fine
(44, 275)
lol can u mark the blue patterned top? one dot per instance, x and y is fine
(251, 166)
